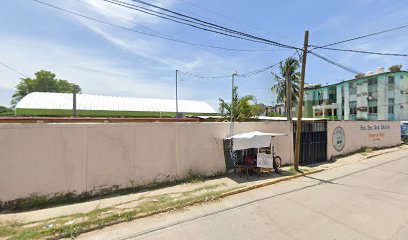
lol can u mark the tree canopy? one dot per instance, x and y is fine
(292, 65)
(244, 107)
(5, 111)
(44, 81)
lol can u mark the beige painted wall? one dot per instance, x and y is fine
(60, 158)
(361, 134)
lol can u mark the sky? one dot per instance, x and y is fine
(107, 60)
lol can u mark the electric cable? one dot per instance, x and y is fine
(191, 21)
(145, 33)
(362, 51)
(361, 37)
(349, 69)
(12, 69)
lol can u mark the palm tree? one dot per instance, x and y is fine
(292, 65)
(244, 107)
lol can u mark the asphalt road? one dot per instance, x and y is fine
(364, 200)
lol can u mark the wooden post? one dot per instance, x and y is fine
(300, 103)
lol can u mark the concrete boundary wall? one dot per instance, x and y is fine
(344, 137)
(49, 159)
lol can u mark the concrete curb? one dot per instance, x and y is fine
(164, 210)
(275, 181)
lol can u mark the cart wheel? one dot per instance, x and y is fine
(278, 162)
(264, 172)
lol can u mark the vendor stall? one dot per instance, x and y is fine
(254, 152)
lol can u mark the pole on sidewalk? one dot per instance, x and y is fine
(300, 103)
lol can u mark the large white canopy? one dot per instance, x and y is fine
(253, 140)
(43, 100)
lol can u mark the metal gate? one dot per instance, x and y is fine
(314, 142)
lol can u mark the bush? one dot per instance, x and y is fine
(359, 75)
(395, 68)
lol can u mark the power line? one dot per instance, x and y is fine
(194, 22)
(215, 25)
(242, 75)
(204, 77)
(240, 21)
(349, 69)
(176, 19)
(12, 69)
(364, 52)
(361, 37)
(150, 34)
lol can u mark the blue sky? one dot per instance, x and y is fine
(108, 61)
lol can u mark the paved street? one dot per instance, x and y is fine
(367, 199)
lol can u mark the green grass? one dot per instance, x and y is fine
(292, 171)
(100, 218)
(367, 151)
(36, 201)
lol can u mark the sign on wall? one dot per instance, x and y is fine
(339, 139)
(264, 160)
(350, 136)
(375, 131)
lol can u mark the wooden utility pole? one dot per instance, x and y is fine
(300, 103)
(288, 96)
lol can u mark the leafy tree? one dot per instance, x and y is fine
(292, 65)
(44, 81)
(4, 111)
(395, 68)
(275, 114)
(244, 107)
(359, 75)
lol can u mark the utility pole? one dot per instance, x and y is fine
(288, 96)
(176, 96)
(300, 103)
(232, 104)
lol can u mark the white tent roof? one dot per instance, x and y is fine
(293, 118)
(43, 100)
(253, 140)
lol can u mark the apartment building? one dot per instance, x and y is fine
(377, 95)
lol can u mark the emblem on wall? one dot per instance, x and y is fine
(339, 139)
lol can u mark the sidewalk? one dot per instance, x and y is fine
(76, 218)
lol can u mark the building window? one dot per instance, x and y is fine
(352, 88)
(353, 111)
(372, 95)
(372, 81)
(391, 109)
(391, 105)
(391, 81)
(318, 112)
(373, 110)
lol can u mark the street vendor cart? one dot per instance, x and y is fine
(254, 152)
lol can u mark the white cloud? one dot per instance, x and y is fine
(100, 71)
